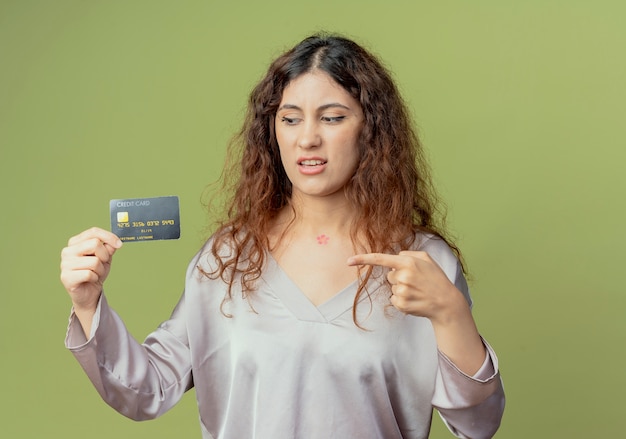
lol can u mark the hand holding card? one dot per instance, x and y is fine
(145, 219)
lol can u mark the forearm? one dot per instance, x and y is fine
(85, 317)
(458, 338)
(85, 310)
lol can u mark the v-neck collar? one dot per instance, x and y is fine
(299, 304)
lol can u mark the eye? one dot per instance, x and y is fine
(333, 119)
(289, 120)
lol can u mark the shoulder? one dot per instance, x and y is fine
(204, 278)
(206, 258)
(439, 251)
(221, 249)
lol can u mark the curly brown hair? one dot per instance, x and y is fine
(391, 191)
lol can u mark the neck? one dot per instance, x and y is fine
(312, 216)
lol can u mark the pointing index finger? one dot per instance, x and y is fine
(382, 259)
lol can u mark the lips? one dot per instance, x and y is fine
(311, 165)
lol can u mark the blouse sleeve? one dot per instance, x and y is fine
(141, 381)
(471, 407)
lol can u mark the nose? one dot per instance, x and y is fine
(309, 135)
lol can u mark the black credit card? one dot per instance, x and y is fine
(145, 219)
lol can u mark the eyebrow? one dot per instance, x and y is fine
(321, 108)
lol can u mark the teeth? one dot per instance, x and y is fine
(311, 162)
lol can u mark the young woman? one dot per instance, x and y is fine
(330, 303)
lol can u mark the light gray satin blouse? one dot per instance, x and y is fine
(281, 367)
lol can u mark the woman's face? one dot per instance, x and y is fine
(317, 128)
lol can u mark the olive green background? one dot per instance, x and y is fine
(521, 106)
